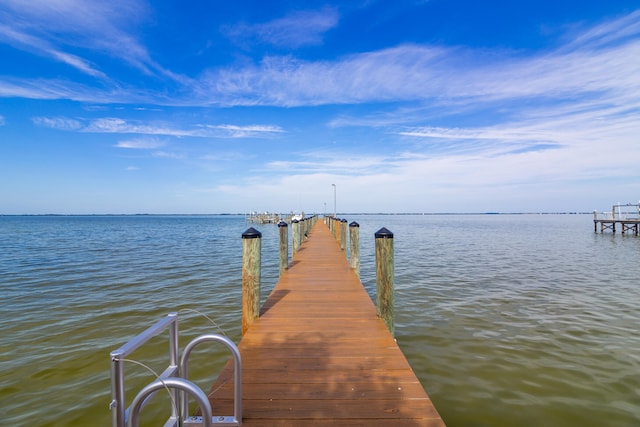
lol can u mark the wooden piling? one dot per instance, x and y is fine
(305, 229)
(283, 231)
(354, 247)
(295, 236)
(251, 259)
(384, 277)
(343, 235)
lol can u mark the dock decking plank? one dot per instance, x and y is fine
(319, 356)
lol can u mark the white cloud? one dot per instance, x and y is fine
(234, 131)
(302, 28)
(597, 65)
(456, 133)
(55, 28)
(44, 48)
(53, 89)
(141, 143)
(78, 63)
(441, 75)
(120, 125)
(587, 66)
(324, 162)
(59, 123)
(168, 155)
(608, 32)
(370, 77)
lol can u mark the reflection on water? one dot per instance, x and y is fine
(508, 320)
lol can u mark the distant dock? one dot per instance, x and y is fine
(271, 217)
(620, 217)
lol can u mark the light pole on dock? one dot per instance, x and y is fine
(335, 212)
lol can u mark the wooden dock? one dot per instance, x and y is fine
(627, 216)
(625, 225)
(318, 355)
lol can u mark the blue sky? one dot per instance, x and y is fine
(129, 106)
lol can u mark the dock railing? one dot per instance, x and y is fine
(620, 212)
(171, 379)
(602, 215)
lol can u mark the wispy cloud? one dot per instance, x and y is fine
(118, 125)
(302, 28)
(456, 133)
(235, 131)
(596, 65)
(62, 30)
(413, 73)
(370, 77)
(54, 88)
(2, 121)
(60, 123)
(590, 81)
(141, 143)
(606, 33)
(168, 155)
(332, 163)
(122, 126)
(42, 47)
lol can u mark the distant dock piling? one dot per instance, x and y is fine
(343, 234)
(284, 246)
(354, 247)
(295, 236)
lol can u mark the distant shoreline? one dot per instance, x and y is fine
(339, 214)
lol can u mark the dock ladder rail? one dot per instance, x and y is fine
(172, 379)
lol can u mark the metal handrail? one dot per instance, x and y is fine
(171, 378)
(118, 405)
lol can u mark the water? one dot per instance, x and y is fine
(508, 320)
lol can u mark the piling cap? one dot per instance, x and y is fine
(295, 221)
(252, 233)
(282, 223)
(344, 220)
(354, 224)
(383, 233)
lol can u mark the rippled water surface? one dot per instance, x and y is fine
(508, 320)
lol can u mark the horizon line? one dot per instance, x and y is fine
(339, 214)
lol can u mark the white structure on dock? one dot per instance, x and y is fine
(272, 218)
(628, 219)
